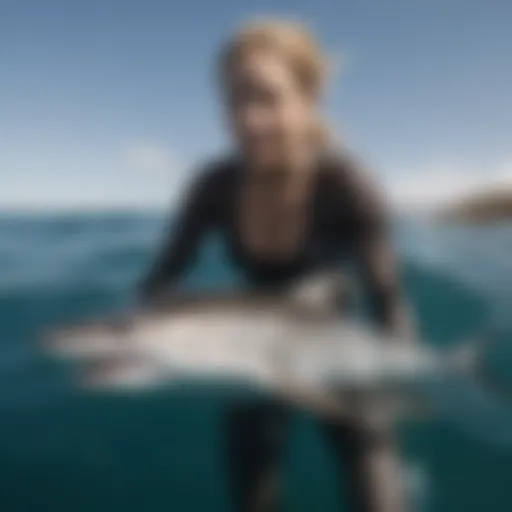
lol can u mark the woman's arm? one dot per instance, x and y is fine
(375, 256)
(378, 269)
(180, 247)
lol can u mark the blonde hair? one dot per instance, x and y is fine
(300, 50)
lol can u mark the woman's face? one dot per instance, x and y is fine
(269, 111)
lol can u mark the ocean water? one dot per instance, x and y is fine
(60, 451)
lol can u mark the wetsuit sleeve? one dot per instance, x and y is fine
(375, 255)
(194, 218)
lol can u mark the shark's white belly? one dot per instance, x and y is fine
(213, 344)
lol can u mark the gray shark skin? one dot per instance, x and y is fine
(294, 346)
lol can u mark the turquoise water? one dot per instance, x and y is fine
(63, 452)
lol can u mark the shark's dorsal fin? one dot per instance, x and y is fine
(320, 292)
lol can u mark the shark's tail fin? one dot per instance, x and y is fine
(481, 403)
(471, 359)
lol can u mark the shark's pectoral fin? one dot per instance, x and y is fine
(123, 373)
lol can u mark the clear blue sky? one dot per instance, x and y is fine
(109, 101)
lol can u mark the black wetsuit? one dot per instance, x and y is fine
(347, 222)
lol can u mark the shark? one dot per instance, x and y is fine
(294, 346)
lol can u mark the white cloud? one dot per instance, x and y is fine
(75, 197)
(438, 186)
(140, 176)
(148, 158)
(146, 175)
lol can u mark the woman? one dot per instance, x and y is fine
(286, 206)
